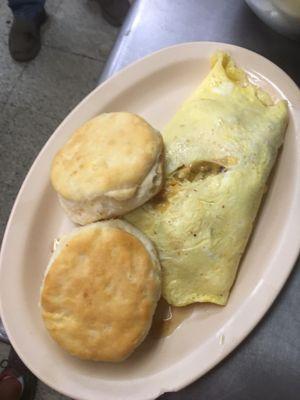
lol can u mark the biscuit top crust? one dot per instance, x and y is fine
(110, 155)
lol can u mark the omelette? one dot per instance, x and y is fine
(220, 148)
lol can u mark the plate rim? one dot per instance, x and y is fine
(195, 371)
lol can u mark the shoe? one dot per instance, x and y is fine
(16, 381)
(24, 37)
(114, 11)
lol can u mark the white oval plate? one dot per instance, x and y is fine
(153, 87)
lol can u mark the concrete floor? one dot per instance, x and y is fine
(35, 97)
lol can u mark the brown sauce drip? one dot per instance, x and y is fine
(167, 318)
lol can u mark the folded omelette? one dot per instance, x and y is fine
(220, 148)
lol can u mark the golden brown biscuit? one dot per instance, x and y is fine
(109, 166)
(100, 291)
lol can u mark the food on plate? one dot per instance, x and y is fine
(219, 149)
(100, 290)
(110, 165)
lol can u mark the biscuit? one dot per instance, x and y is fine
(110, 165)
(100, 291)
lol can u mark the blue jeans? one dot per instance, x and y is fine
(27, 9)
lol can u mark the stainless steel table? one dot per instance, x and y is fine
(267, 364)
(154, 24)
